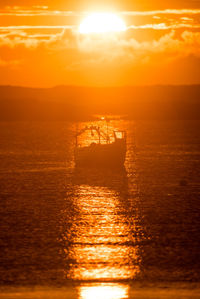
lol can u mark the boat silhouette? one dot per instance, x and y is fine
(104, 152)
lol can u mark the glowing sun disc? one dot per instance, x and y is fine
(102, 23)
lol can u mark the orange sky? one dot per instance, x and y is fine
(40, 44)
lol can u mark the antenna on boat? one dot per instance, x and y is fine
(107, 135)
(108, 139)
(76, 133)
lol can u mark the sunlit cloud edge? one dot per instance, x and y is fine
(36, 12)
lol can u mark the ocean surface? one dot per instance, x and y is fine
(98, 231)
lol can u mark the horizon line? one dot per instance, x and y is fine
(99, 87)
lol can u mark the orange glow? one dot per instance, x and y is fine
(114, 48)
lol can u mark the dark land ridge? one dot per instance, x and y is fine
(81, 103)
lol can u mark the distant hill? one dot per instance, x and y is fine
(80, 103)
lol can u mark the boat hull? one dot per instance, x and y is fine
(101, 155)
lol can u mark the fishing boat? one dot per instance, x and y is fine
(107, 151)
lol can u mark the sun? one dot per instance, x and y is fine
(102, 22)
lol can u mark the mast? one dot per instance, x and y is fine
(107, 130)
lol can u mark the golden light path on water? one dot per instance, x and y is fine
(99, 246)
(102, 248)
(105, 291)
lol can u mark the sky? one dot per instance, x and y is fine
(41, 46)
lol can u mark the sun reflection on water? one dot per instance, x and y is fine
(105, 291)
(101, 248)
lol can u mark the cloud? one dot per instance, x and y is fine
(162, 12)
(39, 11)
(186, 19)
(164, 26)
(124, 47)
(168, 47)
(106, 47)
(24, 27)
(158, 26)
(44, 11)
(13, 37)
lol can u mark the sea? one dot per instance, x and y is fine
(100, 233)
